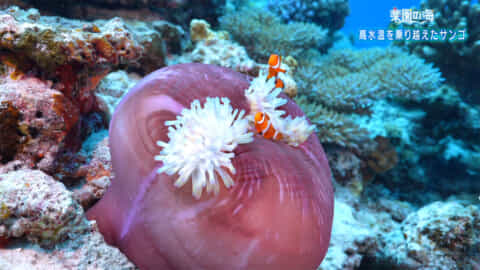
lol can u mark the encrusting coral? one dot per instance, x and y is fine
(40, 122)
(262, 32)
(441, 235)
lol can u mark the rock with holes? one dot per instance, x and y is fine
(39, 122)
(36, 207)
(97, 169)
(441, 235)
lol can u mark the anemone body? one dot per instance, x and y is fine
(277, 215)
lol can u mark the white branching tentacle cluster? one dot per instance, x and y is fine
(201, 144)
(264, 97)
(202, 139)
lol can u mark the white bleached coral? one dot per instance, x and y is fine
(201, 144)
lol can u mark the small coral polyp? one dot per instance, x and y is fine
(201, 144)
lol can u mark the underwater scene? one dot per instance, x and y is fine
(239, 134)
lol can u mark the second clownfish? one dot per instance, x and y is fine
(264, 126)
(274, 63)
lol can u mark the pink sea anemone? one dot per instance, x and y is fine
(277, 215)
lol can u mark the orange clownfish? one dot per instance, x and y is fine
(264, 126)
(274, 63)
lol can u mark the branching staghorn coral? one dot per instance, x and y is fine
(263, 33)
(345, 82)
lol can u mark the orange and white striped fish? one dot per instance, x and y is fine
(264, 126)
(274, 63)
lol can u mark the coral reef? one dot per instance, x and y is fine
(356, 169)
(351, 240)
(48, 227)
(262, 33)
(36, 206)
(332, 127)
(349, 80)
(176, 11)
(86, 251)
(41, 120)
(326, 13)
(382, 233)
(346, 81)
(360, 225)
(212, 47)
(401, 144)
(435, 139)
(96, 170)
(77, 54)
(458, 60)
(441, 235)
(112, 88)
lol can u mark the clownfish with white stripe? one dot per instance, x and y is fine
(264, 126)
(274, 63)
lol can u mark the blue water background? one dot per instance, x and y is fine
(372, 15)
